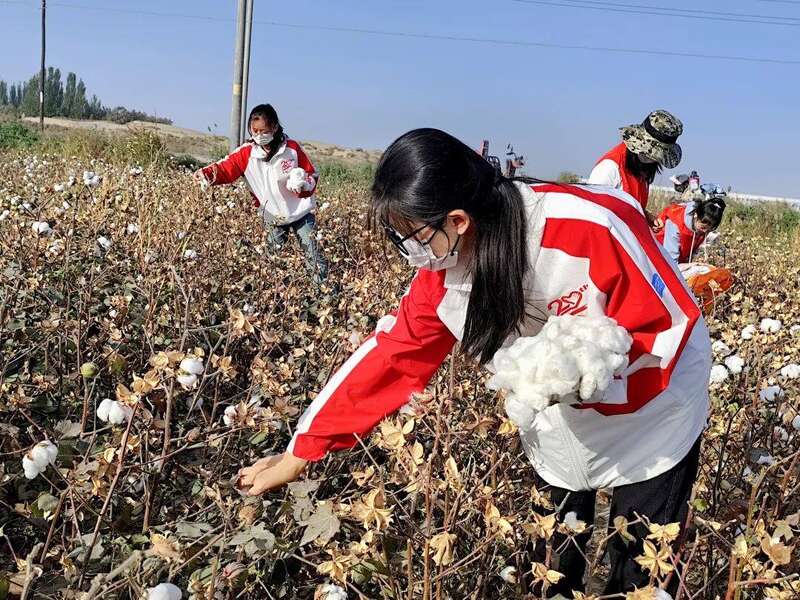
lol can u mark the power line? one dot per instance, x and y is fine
(440, 37)
(688, 10)
(656, 11)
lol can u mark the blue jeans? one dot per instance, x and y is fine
(304, 228)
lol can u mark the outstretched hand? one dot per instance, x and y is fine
(270, 472)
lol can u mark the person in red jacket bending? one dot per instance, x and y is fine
(281, 179)
(496, 257)
(645, 149)
(687, 225)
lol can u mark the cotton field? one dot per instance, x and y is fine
(151, 345)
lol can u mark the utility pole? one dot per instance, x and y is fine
(248, 36)
(236, 102)
(41, 72)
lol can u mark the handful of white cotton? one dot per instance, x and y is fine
(570, 354)
(298, 181)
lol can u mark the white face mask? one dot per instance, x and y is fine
(262, 139)
(421, 256)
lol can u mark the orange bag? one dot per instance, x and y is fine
(707, 282)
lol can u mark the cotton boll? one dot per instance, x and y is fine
(41, 227)
(570, 354)
(521, 413)
(719, 373)
(735, 364)
(324, 206)
(104, 408)
(4, 214)
(192, 365)
(794, 329)
(104, 243)
(330, 591)
(721, 349)
(571, 520)
(791, 371)
(229, 416)
(132, 228)
(770, 325)
(748, 332)
(164, 591)
(780, 434)
(188, 381)
(660, 594)
(770, 394)
(59, 187)
(43, 454)
(297, 180)
(135, 171)
(119, 413)
(796, 422)
(509, 575)
(30, 468)
(189, 254)
(765, 459)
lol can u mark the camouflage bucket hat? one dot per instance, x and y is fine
(655, 138)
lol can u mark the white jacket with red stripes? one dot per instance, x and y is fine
(590, 252)
(267, 179)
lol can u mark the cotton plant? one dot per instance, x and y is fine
(570, 355)
(113, 411)
(164, 591)
(38, 458)
(188, 371)
(298, 181)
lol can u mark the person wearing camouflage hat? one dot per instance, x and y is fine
(645, 149)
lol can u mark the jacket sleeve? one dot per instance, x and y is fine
(606, 172)
(646, 296)
(672, 240)
(230, 168)
(397, 360)
(305, 163)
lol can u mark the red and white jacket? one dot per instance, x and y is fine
(610, 170)
(590, 252)
(267, 179)
(678, 236)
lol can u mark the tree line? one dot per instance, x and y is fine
(66, 99)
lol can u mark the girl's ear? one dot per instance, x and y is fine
(459, 220)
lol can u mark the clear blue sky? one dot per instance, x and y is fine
(559, 107)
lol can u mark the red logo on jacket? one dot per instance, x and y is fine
(569, 304)
(287, 165)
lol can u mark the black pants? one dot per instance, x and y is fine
(662, 499)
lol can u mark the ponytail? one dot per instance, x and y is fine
(498, 267)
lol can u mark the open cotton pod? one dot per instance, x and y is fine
(164, 591)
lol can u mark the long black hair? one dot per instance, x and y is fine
(710, 211)
(270, 115)
(641, 170)
(427, 173)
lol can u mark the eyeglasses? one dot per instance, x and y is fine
(399, 241)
